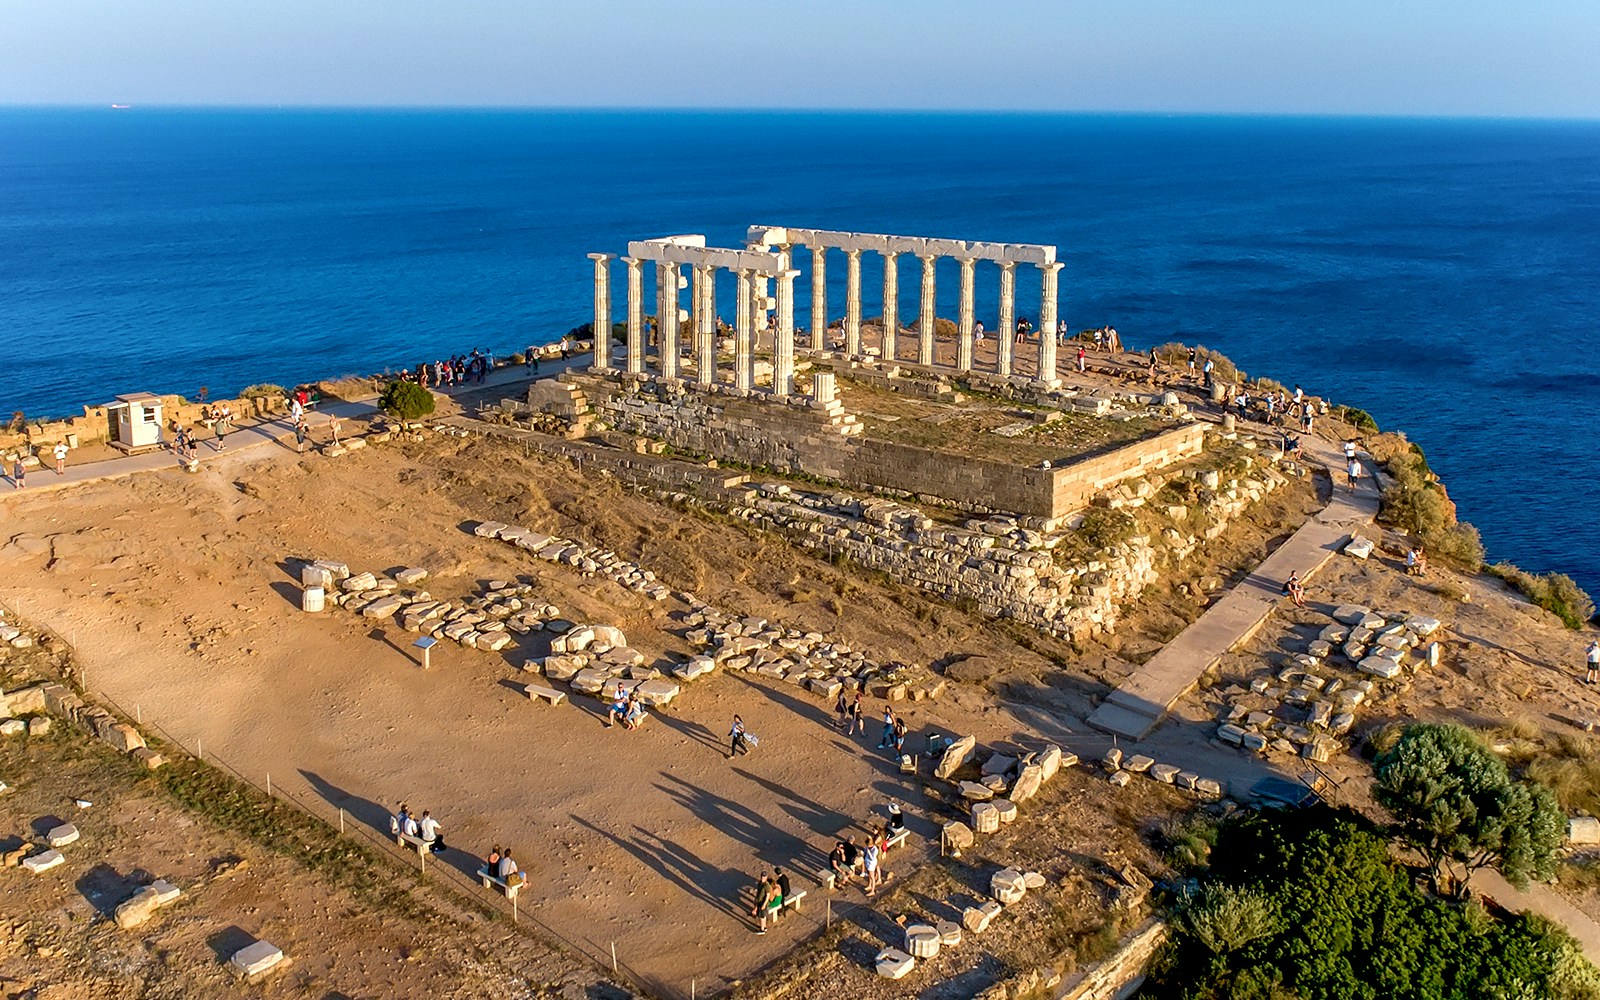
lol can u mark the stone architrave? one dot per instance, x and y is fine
(1048, 274)
(743, 335)
(964, 325)
(1005, 329)
(783, 337)
(957, 754)
(667, 319)
(925, 316)
(635, 314)
(602, 309)
(819, 297)
(852, 302)
(891, 304)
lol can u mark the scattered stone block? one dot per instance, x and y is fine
(1432, 654)
(994, 782)
(1028, 783)
(411, 575)
(975, 791)
(957, 754)
(1583, 831)
(122, 736)
(313, 600)
(1231, 734)
(1050, 761)
(1359, 547)
(949, 933)
(892, 963)
(999, 764)
(1138, 763)
(1120, 779)
(44, 862)
(1033, 880)
(1208, 788)
(39, 725)
(1319, 649)
(1186, 779)
(61, 836)
(560, 667)
(589, 680)
(1350, 614)
(489, 529)
(12, 857)
(1321, 712)
(958, 835)
(977, 918)
(658, 691)
(1008, 886)
(13, 727)
(985, 817)
(1422, 625)
(827, 687)
(923, 941)
(316, 575)
(1254, 742)
(256, 960)
(1007, 810)
(383, 607)
(358, 583)
(1164, 773)
(1377, 666)
(1319, 749)
(1112, 760)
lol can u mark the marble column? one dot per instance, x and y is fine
(783, 336)
(705, 322)
(667, 321)
(602, 309)
(965, 321)
(819, 297)
(1047, 323)
(925, 316)
(743, 353)
(852, 303)
(1005, 331)
(635, 314)
(891, 304)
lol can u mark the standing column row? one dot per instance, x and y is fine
(891, 304)
(635, 315)
(667, 321)
(1006, 331)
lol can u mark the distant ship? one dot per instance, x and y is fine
(120, 107)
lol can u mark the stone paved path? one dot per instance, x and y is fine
(1137, 707)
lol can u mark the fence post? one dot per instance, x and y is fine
(613, 956)
(269, 784)
(341, 821)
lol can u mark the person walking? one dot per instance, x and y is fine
(887, 739)
(61, 458)
(566, 347)
(857, 716)
(19, 474)
(219, 427)
(1081, 354)
(300, 434)
(1353, 472)
(1593, 676)
(841, 708)
(872, 857)
(736, 740)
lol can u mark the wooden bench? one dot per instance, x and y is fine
(490, 881)
(537, 691)
(407, 840)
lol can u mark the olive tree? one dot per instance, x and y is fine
(1458, 804)
(406, 400)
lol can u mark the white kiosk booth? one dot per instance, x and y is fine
(138, 421)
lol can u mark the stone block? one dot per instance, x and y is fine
(1359, 547)
(949, 933)
(1432, 653)
(1350, 614)
(383, 607)
(975, 791)
(138, 908)
(1319, 649)
(122, 736)
(560, 667)
(1164, 773)
(1120, 779)
(410, 576)
(994, 782)
(977, 918)
(1008, 886)
(1583, 831)
(13, 727)
(1208, 788)
(44, 862)
(658, 691)
(1007, 810)
(313, 600)
(1028, 783)
(12, 857)
(1319, 749)
(1377, 666)
(256, 959)
(957, 754)
(958, 836)
(61, 836)
(1050, 760)
(489, 529)
(589, 680)
(999, 764)
(358, 583)
(1422, 625)
(339, 570)
(892, 963)
(315, 575)
(39, 725)
(1254, 742)
(1138, 763)
(923, 941)
(1186, 779)
(1112, 760)
(1231, 734)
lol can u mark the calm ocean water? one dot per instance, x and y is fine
(1445, 275)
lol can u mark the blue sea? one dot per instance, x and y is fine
(1442, 274)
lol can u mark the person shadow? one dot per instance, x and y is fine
(376, 816)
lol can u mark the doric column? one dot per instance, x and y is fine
(783, 336)
(743, 335)
(602, 309)
(925, 317)
(667, 319)
(1047, 323)
(891, 303)
(635, 314)
(964, 324)
(819, 297)
(1005, 333)
(852, 303)
(705, 325)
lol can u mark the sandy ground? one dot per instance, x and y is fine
(174, 588)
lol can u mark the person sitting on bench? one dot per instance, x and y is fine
(839, 863)
(431, 832)
(897, 819)
(618, 711)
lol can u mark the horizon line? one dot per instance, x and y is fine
(798, 109)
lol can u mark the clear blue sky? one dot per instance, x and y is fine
(1469, 57)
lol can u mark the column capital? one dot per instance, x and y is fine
(967, 263)
(1008, 265)
(853, 253)
(927, 258)
(602, 256)
(633, 261)
(1053, 267)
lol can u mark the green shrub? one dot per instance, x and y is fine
(1557, 593)
(406, 400)
(1361, 420)
(1415, 503)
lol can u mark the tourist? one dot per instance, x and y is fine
(1413, 557)
(870, 857)
(1353, 472)
(840, 864)
(61, 458)
(618, 712)
(736, 738)
(400, 821)
(897, 819)
(841, 708)
(297, 409)
(1306, 420)
(782, 878)
(977, 332)
(431, 832)
(1593, 676)
(19, 474)
(507, 866)
(887, 739)
(1272, 406)
(1081, 353)
(633, 711)
(1099, 338)
(491, 864)
(1243, 400)
(219, 427)
(1209, 370)
(1350, 450)
(566, 347)
(1192, 356)
(769, 900)
(899, 735)
(333, 427)
(857, 716)
(300, 434)
(1061, 332)
(852, 855)
(1294, 590)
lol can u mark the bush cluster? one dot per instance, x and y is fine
(1310, 905)
(406, 400)
(1557, 593)
(1416, 503)
(1222, 367)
